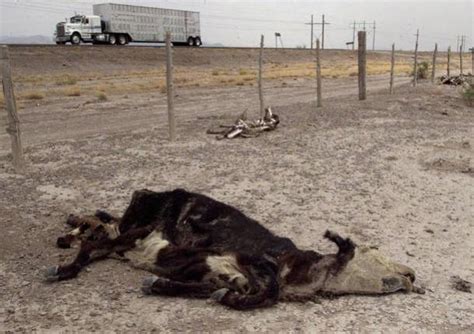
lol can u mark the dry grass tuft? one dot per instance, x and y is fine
(66, 80)
(34, 96)
(73, 91)
(101, 96)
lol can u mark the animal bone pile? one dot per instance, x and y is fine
(455, 80)
(246, 129)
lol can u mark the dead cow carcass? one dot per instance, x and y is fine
(455, 80)
(198, 247)
(247, 129)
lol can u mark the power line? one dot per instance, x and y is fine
(322, 24)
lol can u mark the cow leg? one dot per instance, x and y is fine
(91, 251)
(166, 287)
(80, 225)
(106, 217)
(346, 248)
(266, 291)
(240, 282)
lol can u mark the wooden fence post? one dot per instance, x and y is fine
(260, 74)
(362, 57)
(318, 76)
(169, 87)
(415, 64)
(472, 60)
(13, 128)
(392, 68)
(448, 70)
(433, 69)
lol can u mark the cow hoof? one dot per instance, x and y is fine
(51, 274)
(63, 243)
(219, 294)
(148, 284)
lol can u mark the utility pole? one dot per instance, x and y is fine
(322, 23)
(312, 30)
(373, 39)
(363, 25)
(322, 39)
(353, 35)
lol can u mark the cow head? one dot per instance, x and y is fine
(369, 272)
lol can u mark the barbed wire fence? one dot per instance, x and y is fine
(14, 123)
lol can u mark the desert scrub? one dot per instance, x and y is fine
(73, 91)
(468, 94)
(66, 80)
(101, 96)
(215, 72)
(34, 96)
(422, 70)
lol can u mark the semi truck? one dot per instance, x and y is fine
(119, 24)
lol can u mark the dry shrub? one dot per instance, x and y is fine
(34, 96)
(181, 80)
(422, 70)
(468, 94)
(215, 72)
(73, 91)
(243, 71)
(101, 96)
(66, 80)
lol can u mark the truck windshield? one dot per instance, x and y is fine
(76, 19)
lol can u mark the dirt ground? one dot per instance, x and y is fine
(395, 171)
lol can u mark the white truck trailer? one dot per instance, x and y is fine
(119, 24)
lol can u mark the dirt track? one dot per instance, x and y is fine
(394, 171)
(62, 119)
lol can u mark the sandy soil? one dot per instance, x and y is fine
(393, 171)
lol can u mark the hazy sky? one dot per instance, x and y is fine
(240, 23)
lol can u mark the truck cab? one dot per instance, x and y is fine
(79, 28)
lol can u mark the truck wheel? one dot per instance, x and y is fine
(112, 40)
(197, 41)
(191, 41)
(75, 39)
(122, 40)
